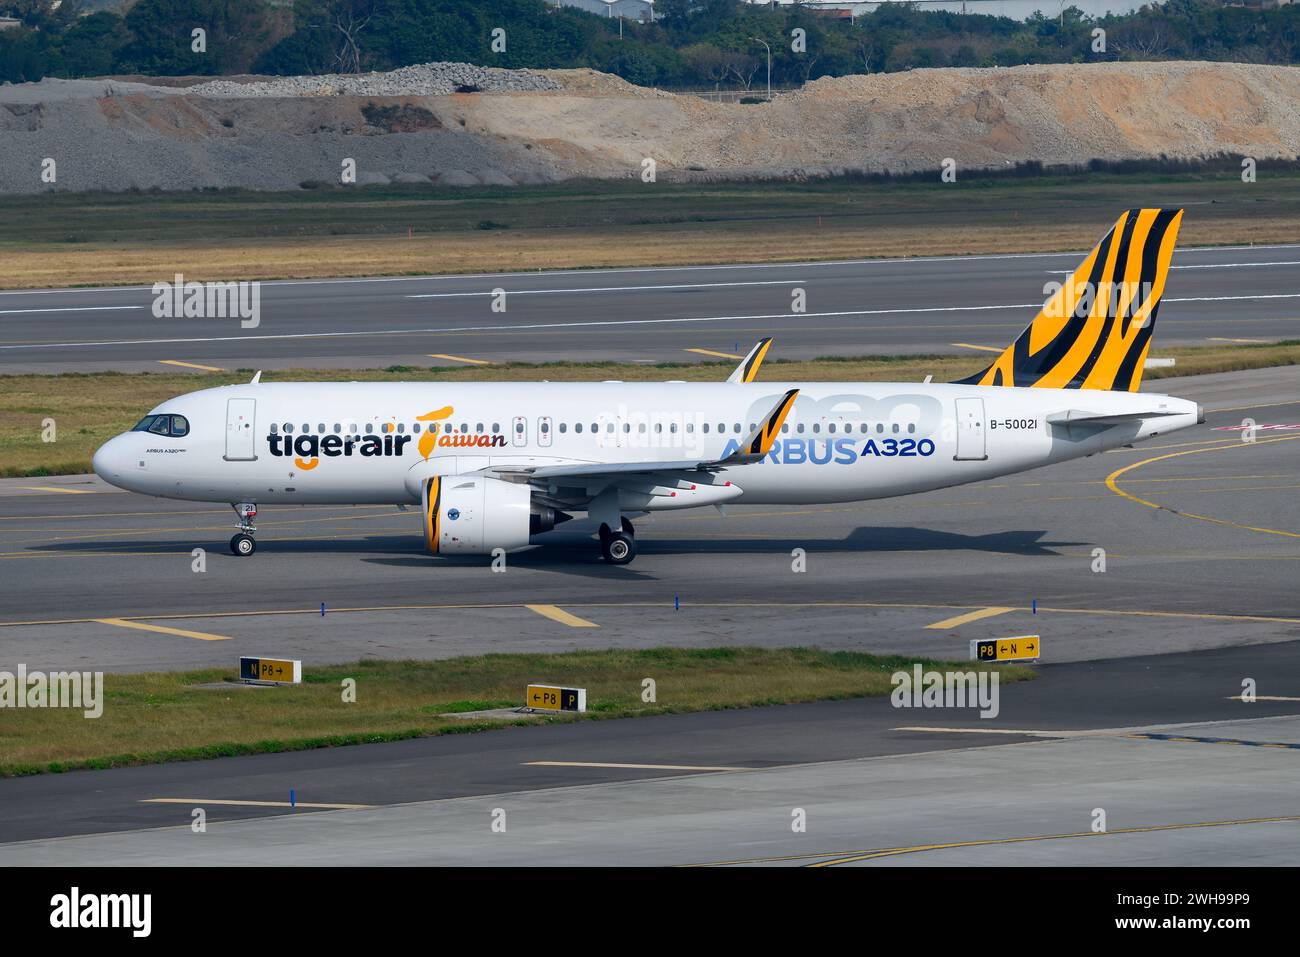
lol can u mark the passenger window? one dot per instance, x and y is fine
(546, 427)
(337, 428)
(496, 427)
(274, 428)
(288, 427)
(321, 428)
(705, 427)
(577, 427)
(478, 427)
(785, 428)
(519, 428)
(563, 427)
(370, 428)
(894, 428)
(817, 427)
(911, 427)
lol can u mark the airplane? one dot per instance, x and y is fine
(495, 465)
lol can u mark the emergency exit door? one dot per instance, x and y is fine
(970, 430)
(241, 430)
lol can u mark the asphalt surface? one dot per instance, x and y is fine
(651, 315)
(1214, 564)
(1132, 714)
(1111, 735)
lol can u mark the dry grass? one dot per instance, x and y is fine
(91, 408)
(56, 240)
(149, 718)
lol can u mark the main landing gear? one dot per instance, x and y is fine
(618, 548)
(243, 543)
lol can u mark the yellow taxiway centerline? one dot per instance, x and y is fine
(562, 616)
(895, 851)
(473, 362)
(1113, 477)
(967, 345)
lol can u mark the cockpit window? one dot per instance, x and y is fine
(175, 425)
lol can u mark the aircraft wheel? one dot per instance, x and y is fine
(619, 548)
(243, 545)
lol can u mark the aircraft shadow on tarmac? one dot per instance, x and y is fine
(579, 555)
(404, 550)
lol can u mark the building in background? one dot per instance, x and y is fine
(1015, 9)
(643, 10)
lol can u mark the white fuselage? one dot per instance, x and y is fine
(358, 442)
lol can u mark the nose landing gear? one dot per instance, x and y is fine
(243, 543)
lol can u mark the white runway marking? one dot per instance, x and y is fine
(17, 312)
(539, 292)
(590, 324)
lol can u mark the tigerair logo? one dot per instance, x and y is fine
(307, 450)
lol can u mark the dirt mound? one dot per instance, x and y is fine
(419, 124)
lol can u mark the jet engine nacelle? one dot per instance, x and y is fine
(472, 515)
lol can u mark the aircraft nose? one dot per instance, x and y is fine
(109, 461)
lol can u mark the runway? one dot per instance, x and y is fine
(922, 305)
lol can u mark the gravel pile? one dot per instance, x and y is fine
(281, 133)
(422, 79)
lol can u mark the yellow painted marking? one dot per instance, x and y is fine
(1222, 339)
(967, 345)
(189, 365)
(1261, 697)
(56, 488)
(562, 616)
(228, 803)
(258, 613)
(967, 618)
(473, 362)
(1114, 476)
(162, 630)
(710, 352)
(633, 767)
(895, 851)
(840, 855)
